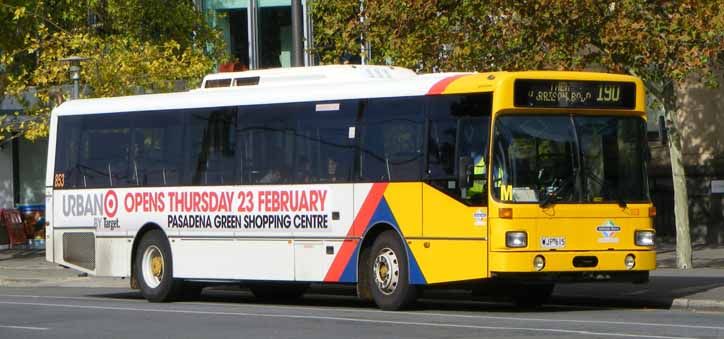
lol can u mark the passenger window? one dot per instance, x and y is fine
(298, 143)
(325, 144)
(267, 141)
(392, 139)
(93, 151)
(212, 147)
(157, 149)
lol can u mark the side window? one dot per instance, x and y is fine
(93, 151)
(67, 173)
(267, 143)
(392, 139)
(457, 140)
(157, 148)
(211, 147)
(325, 142)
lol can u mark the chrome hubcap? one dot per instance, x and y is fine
(387, 271)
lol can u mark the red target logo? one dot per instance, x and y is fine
(110, 204)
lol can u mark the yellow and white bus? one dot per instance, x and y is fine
(366, 175)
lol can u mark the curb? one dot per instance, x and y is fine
(20, 282)
(684, 304)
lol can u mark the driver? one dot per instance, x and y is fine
(475, 143)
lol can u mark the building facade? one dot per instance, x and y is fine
(701, 121)
(258, 33)
(22, 166)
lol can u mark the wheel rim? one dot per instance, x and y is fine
(153, 269)
(386, 269)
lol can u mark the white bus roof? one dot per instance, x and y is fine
(318, 83)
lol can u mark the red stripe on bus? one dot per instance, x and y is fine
(358, 227)
(441, 85)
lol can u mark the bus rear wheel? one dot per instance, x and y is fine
(388, 273)
(154, 267)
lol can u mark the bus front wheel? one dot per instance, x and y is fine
(154, 268)
(388, 275)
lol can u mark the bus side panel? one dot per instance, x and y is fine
(454, 243)
(314, 257)
(75, 248)
(315, 249)
(442, 260)
(243, 259)
(405, 202)
(111, 258)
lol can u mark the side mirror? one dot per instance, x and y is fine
(663, 132)
(465, 172)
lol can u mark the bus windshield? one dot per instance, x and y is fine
(570, 159)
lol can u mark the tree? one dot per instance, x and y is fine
(133, 46)
(660, 41)
(664, 43)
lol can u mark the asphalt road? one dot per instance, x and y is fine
(121, 313)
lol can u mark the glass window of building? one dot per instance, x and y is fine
(257, 33)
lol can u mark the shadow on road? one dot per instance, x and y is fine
(659, 293)
(335, 297)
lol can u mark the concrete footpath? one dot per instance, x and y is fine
(28, 268)
(699, 289)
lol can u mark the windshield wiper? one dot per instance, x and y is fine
(548, 198)
(621, 201)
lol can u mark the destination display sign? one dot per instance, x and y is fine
(574, 94)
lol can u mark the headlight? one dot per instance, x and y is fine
(644, 238)
(539, 262)
(516, 239)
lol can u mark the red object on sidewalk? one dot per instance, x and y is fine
(14, 225)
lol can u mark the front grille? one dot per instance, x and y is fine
(80, 249)
(585, 261)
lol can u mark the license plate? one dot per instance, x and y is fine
(553, 242)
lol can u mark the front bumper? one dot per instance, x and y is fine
(563, 261)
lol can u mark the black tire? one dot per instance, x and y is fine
(388, 293)
(277, 291)
(156, 288)
(533, 296)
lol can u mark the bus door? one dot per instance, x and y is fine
(455, 213)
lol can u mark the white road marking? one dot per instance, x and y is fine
(376, 321)
(347, 309)
(24, 327)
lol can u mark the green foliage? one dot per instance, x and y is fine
(336, 28)
(658, 40)
(133, 46)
